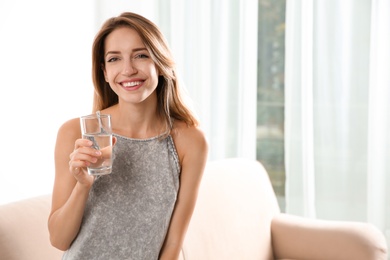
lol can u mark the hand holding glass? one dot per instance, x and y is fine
(97, 128)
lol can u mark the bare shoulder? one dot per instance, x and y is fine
(71, 128)
(190, 142)
(68, 132)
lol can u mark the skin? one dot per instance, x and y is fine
(127, 61)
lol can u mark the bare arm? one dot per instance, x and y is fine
(71, 185)
(192, 148)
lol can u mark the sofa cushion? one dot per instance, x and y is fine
(232, 217)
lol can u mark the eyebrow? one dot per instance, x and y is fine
(134, 50)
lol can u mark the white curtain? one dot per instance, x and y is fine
(215, 45)
(337, 126)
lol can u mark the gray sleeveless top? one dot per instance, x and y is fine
(128, 211)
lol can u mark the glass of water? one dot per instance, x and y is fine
(97, 128)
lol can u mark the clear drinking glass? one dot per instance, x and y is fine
(97, 128)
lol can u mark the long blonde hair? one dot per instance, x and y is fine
(170, 104)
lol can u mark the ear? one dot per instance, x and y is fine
(113, 140)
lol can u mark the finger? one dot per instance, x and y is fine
(76, 166)
(82, 142)
(85, 155)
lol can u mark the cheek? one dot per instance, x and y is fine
(153, 72)
(156, 73)
(111, 71)
(111, 77)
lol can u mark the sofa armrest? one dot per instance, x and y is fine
(24, 233)
(301, 238)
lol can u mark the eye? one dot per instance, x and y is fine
(141, 56)
(112, 59)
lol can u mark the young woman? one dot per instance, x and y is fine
(143, 208)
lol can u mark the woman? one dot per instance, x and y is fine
(142, 209)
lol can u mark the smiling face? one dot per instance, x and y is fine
(128, 67)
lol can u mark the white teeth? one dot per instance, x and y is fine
(131, 84)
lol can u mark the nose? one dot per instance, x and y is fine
(129, 68)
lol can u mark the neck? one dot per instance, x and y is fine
(136, 120)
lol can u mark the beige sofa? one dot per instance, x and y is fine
(237, 217)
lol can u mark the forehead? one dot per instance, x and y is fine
(123, 37)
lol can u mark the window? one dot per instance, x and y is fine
(270, 99)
